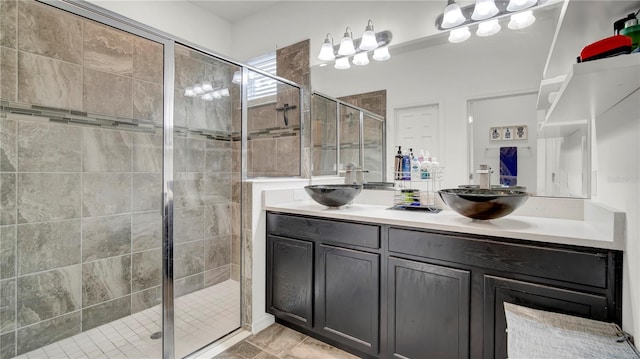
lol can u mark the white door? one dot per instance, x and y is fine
(417, 128)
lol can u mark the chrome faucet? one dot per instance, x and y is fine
(353, 174)
(485, 176)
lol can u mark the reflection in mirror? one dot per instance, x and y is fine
(323, 135)
(373, 150)
(273, 122)
(357, 134)
(504, 135)
(349, 136)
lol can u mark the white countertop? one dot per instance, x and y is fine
(550, 230)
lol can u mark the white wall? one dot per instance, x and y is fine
(618, 167)
(179, 18)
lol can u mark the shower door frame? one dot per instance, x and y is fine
(93, 12)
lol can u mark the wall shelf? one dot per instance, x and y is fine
(591, 88)
(547, 86)
(561, 129)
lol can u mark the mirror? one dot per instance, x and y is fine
(343, 134)
(458, 79)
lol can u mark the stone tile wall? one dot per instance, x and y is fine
(274, 148)
(81, 180)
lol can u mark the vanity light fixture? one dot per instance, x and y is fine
(484, 9)
(452, 15)
(488, 28)
(346, 44)
(206, 91)
(368, 41)
(459, 35)
(342, 63)
(381, 54)
(519, 5)
(521, 20)
(378, 43)
(361, 59)
(486, 14)
(326, 51)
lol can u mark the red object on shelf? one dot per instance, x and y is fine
(611, 46)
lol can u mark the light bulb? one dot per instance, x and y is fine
(224, 92)
(216, 94)
(346, 45)
(488, 28)
(452, 15)
(484, 9)
(521, 20)
(207, 97)
(197, 89)
(368, 41)
(237, 77)
(189, 92)
(459, 35)
(326, 51)
(342, 63)
(381, 54)
(361, 59)
(517, 5)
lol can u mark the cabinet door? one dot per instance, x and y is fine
(499, 290)
(290, 279)
(347, 297)
(428, 310)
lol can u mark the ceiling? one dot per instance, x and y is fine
(233, 10)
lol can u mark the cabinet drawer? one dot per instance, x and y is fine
(584, 268)
(327, 231)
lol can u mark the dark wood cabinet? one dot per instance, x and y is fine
(347, 296)
(428, 310)
(382, 291)
(499, 290)
(290, 279)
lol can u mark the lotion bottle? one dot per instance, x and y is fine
(415, 169)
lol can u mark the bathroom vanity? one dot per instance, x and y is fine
(386, 284)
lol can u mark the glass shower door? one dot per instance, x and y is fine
(207, 173)
(81, 126)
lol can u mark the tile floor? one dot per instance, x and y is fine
(279, 342)
(200, 318)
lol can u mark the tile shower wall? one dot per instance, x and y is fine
(274, 148)
(81, 181)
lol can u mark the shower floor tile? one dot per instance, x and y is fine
(200, 318)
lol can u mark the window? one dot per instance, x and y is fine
(260, 86)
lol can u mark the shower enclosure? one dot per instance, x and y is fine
(121, 163)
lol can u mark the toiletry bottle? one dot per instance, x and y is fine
(415, 169)
(406, 166)
(435, 167)
(421, 156)
(397, 167)
(424, 169)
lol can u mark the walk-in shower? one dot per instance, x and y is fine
(121, 163)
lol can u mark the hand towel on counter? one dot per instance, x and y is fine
(508, 166)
